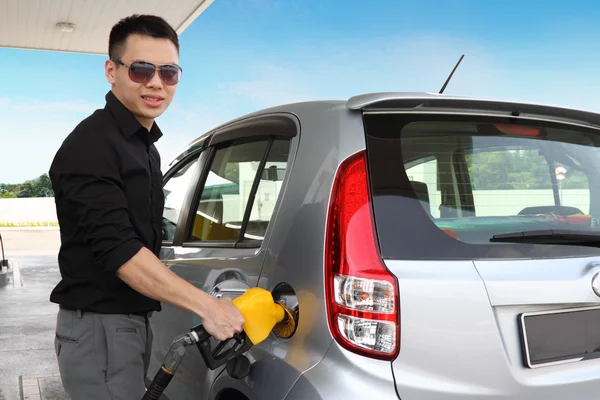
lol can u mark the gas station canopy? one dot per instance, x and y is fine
(82, 26)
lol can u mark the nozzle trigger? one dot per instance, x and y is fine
(221, 354)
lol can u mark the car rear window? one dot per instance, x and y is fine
(444, 185)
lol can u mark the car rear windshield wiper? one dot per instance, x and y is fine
(552, 236)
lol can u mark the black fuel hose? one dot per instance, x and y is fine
(159, 384)
(168, 368)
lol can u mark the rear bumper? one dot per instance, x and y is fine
(344, 375)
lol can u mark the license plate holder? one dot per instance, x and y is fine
(560, 336)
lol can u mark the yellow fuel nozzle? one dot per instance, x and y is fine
(261, 313)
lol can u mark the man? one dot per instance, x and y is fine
(107, 182)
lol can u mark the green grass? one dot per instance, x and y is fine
(28, 224)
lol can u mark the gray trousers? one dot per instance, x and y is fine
(102, 356)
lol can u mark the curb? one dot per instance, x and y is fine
(30, 387)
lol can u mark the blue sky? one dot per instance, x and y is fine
(244, 55)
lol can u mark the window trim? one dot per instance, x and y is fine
(195, 199)
(180, 164)
(555, 185)
(253, 190)
(195, 156)
(277, 124)
(464, 184)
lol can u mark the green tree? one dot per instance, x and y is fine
(39, 187)
(44, 186)
(517, 169)
(27, 189)
(8, 190)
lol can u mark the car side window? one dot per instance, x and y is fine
(574, 187)
(267, 193)
(238, 194)
(174, 191)
(423, 177)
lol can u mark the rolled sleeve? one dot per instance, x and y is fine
(118, 256)
(91, 188)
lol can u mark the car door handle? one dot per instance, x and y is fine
(230, 288)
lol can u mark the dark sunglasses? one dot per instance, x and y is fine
(141, 71)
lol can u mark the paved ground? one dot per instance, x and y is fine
(30, 242)
(28, 369)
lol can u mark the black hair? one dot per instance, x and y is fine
(146, 25)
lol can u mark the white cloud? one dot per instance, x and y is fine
(329, 71)
(32, 129)
(418, 63)
(31, 132)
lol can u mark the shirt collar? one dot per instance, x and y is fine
(127, 122)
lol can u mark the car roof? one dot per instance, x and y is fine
(419, 102)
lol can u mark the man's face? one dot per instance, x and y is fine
(146, 100)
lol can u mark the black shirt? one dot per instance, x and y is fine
(107, 184)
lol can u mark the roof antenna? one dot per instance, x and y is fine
(451, 73)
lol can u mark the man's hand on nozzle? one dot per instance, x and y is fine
(223, 319)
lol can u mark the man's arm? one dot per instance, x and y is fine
(146, 274)
(88, 178)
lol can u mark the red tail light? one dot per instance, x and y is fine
(362, 295)
(518, 130)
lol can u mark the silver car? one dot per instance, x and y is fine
(433, 247)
